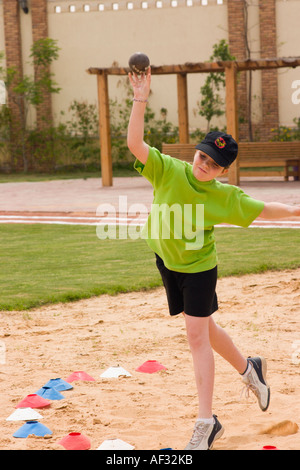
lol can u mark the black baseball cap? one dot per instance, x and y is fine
(221, 147)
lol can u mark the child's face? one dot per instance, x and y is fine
(205, 168)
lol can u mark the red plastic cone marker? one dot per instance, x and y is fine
(150, 367)
(33, 401)
(80, 375)
(269, 448)
(75, 441)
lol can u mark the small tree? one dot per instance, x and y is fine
(156, 130)
(28, 90)
(211, 104)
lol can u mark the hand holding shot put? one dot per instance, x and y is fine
(139, 62)
(141, 85)
(135, 138)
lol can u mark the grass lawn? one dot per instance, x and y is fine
(81, 173)
(57, 263)
(63, 175)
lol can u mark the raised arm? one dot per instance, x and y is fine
(276, 210)
(135, 134)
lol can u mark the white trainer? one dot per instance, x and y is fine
(205, 435)
(256, 382)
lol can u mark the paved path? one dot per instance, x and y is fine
(77, 201)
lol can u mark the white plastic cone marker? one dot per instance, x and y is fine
(114, 372)
(115, 444)
(24, 414)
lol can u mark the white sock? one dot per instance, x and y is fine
(206, 420)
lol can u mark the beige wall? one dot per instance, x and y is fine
(168, 35)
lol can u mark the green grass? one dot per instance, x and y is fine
(43, 264)
(256, 250)
(37, 177)
(64, 175)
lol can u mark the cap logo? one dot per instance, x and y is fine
(220, 142)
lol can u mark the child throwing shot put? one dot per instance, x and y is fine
(188, 270)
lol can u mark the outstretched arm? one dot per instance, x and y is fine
(135, 134)
(276, 210)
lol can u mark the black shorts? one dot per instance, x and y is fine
(191, 293)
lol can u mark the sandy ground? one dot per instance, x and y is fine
(148, 411)
(154, 411)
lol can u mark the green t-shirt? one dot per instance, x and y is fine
(180, 226)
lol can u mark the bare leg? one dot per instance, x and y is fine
(204, 335)
(223, 345)
(203, 360)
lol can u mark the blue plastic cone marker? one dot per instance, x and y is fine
(32, 427)
(49, 393)
(58, 384)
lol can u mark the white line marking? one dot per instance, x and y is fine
(94, 221)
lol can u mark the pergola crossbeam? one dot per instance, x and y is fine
(206, 67)
(231, 69)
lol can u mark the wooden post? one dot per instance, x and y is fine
(232, 117)
(183, 116)
(104, 129)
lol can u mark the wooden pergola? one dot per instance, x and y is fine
(231, 69)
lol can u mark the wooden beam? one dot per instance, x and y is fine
(183, 114)
(230, 67)
(104, 129)
(164, 69)
(232, 118)
(207, 67)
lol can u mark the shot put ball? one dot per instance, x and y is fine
(139, 63)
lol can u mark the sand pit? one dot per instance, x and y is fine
(153, 411)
